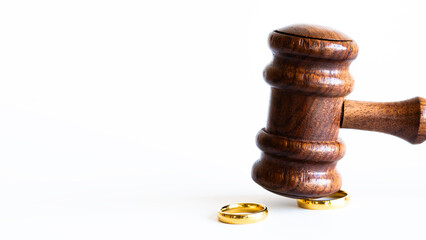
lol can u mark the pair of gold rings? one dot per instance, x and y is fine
(244, 213)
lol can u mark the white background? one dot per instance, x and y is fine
(137, 119)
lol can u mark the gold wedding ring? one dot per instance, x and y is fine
(242, 213)
(336, 200)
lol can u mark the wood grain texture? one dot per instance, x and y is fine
(314, 32)
(309, 77)
(405, 119)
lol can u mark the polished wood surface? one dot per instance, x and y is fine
(309, 78)
(405, 119)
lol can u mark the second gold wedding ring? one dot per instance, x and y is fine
(337, 200)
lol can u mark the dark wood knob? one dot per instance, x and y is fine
(309, 78)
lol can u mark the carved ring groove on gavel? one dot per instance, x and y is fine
(309, 75)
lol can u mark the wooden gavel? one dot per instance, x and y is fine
(309, 75)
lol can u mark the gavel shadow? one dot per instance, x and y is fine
(277, 203)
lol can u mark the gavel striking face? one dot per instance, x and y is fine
(309, 76)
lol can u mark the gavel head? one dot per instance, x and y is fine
(309, 77)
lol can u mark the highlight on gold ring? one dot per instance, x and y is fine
(333, 201)
(242, 213)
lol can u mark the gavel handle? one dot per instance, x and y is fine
(405, 119)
